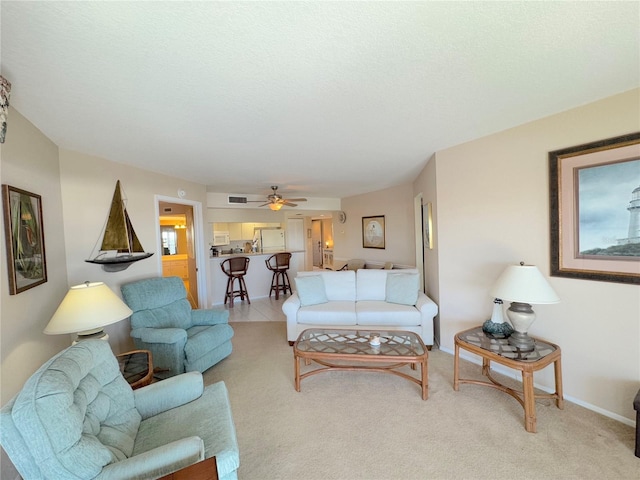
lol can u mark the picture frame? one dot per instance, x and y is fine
(24, 235)
(594, 202)
(373, 232)
(427, 217)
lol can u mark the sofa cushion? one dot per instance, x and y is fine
(338, 286)
(380, 313)
(331, 313)
(77, 412)
(402, 288)
(311, 290)
(370, 284)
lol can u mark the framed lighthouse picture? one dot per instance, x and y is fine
(595, 210)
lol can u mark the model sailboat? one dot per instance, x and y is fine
(120, 245)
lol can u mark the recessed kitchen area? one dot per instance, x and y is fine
(257, 241)
(255, 230)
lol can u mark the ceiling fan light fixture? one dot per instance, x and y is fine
(275, 206)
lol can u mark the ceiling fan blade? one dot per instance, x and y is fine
(265, 204)
(295, 199)
(289, 204)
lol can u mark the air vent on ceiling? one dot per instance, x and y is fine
(237, 199)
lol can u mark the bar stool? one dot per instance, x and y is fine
(278, 263)
(235, 268)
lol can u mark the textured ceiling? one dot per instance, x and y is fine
(325, 99)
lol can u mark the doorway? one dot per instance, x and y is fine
(177, 235)
(316, 241)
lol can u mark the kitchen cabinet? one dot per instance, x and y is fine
(247, 231)
(235, 231)
(327, 258)
(175, 268)
(241, 231)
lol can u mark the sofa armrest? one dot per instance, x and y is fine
(170, 393)
(157, 462)
(209, 316)
(290, 308)
(427, 307)
(160, 335)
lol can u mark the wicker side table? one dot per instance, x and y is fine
(136, 367)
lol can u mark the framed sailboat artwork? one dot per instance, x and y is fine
(24, 235)
(119, 246)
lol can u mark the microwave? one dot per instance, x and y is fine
(220, 238)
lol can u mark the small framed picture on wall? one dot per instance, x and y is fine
(373, 235)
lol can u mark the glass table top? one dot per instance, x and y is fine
(356, 342)
(500, 346)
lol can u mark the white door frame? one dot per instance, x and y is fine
(198, 233)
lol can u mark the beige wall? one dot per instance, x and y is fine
(426, 186)
(492, 210)
(30, 162)
(396, 204)
(87, 188)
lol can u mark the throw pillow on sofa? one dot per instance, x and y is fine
(311, 290)
(402, 288)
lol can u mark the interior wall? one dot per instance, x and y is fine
(493, 210)
(426, 184)
(30, 162)
(88, 183)
(396, 204)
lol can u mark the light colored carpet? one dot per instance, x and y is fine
(362, 425)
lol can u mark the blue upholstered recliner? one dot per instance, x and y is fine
(180, 339)
(78, 418)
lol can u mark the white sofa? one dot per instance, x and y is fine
(359, 299)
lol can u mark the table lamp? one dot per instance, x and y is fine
(86, 309)
(523, 285)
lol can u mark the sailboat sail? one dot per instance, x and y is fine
(119, 236)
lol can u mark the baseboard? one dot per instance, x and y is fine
(510, 373)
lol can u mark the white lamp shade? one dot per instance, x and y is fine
(86, 307)
(524, 284)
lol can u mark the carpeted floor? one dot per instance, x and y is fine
(362, 425)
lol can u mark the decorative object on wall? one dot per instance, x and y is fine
(24, 235)
(342, 217)
(595, 210)
(120, 245)
(5, 92)
(523, 285)
(373, 235)
(427, 217)
(85, 310)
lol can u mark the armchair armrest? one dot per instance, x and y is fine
(170, 393)
(160, 335)
(209, 316)
(156, 462)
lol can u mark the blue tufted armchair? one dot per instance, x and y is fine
(180, 339)
(78, 418)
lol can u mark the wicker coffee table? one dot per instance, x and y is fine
(350, 350)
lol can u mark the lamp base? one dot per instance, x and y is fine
(100, 334)
(522, 341)
(497, 330)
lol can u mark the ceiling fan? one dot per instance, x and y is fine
(276, 202)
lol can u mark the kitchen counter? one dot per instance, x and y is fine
(258, 276)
